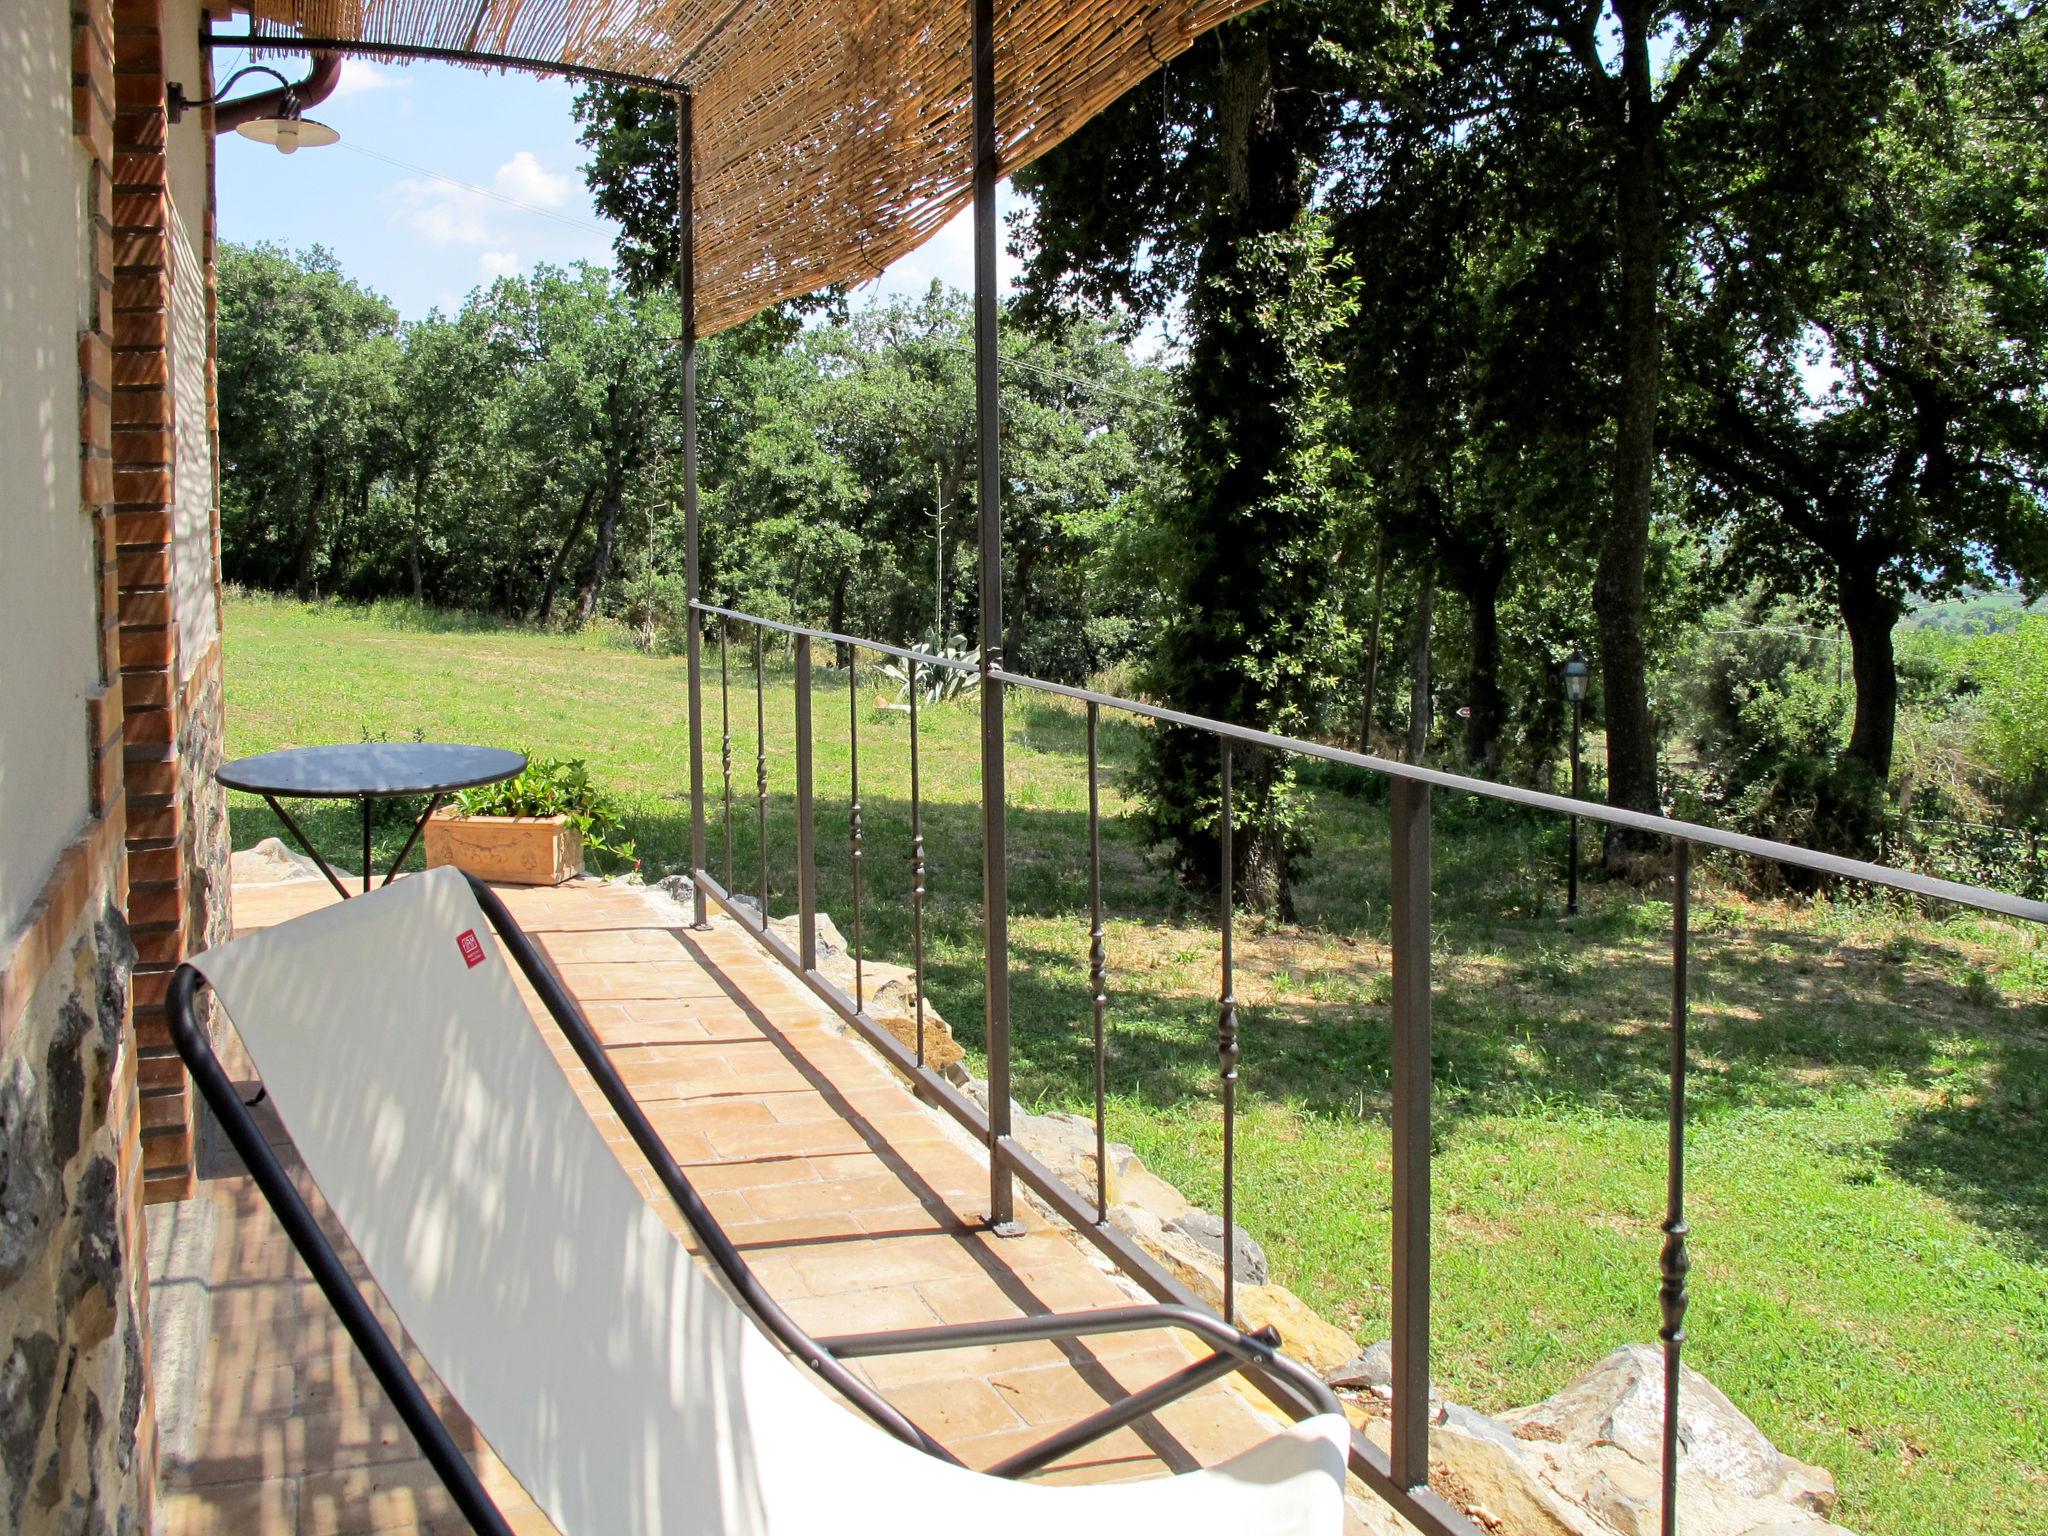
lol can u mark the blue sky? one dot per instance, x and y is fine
(446, 178)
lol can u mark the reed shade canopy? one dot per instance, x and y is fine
(832, 136)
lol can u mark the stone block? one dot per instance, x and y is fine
(1304, 1334)
(1621, 1402)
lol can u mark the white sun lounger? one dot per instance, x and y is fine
(625, 1385)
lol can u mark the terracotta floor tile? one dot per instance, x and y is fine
(400, 1496)
(260, 1507)
(884, 1262)
(897, 1306)
(872, 1192)
(1115, 1458)
(955, 1409)
(977, 1362)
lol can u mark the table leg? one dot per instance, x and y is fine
(306, 843)
(418, 827)
(366, 845)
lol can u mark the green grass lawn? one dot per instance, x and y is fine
(1869, 1147)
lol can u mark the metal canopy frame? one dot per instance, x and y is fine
(1230, 1349)
(296, 43)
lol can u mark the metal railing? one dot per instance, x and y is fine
(1400, 1473)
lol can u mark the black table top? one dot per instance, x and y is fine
(370, 769)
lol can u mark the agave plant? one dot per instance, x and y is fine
(935, 684)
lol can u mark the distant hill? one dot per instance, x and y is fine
(1977, 613)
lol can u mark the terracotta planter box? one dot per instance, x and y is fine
(514, 850)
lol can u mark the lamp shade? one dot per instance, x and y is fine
(1576, 675)
(289, 133)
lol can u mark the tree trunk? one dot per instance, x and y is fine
(1482, 693)
(1418, 664)
(1024, 562)
(309, 532)
(554, 581)
(1618, 579)
(412, 551)
(607, 528)
(842, 653)
(1869, 616)
(1372, 644)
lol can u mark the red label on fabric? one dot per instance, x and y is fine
(471, 946)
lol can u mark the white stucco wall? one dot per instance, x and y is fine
(49, 658)
(195, 596)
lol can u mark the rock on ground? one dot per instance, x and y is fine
(271, 862)
(1621, 1402)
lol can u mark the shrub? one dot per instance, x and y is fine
(2010, 670)
(1769, 722)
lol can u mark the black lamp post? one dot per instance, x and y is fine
(1576, 675)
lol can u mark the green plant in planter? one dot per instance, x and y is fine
(560, 786)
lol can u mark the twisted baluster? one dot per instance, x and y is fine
(916, 871)
(761, 775)
(725, 738)
(853, 815)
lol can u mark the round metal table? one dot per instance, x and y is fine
(366, 771)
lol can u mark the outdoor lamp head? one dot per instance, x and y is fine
(1576, 675)
(288, 133)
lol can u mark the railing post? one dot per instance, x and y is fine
(693, 623)
(1098, 958)
(1226, 1043)
(1409, 1447)
(761, 770)
(806, 850)
(853, 827)
(1674, 1262)
(917, 869)
(995, 885)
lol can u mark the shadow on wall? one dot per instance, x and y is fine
(47, 585)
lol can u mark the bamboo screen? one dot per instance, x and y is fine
(833, 136)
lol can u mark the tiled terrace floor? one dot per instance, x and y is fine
(856, 1206)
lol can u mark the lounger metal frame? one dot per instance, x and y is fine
(1231, 1349)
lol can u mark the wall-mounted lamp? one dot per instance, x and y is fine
(270, 117)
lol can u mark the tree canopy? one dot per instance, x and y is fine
(1491, 331)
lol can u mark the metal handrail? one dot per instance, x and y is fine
(1979, 897)
(1641, 821)
(922, 658)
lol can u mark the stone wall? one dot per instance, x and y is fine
(75, 1452)
(207, 844)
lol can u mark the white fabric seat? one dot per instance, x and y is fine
(614, 1376)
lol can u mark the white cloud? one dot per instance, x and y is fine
(449, 213)
(496, 264)
(359, 78)
(526, 180)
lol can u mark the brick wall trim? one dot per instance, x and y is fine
(89, 864)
